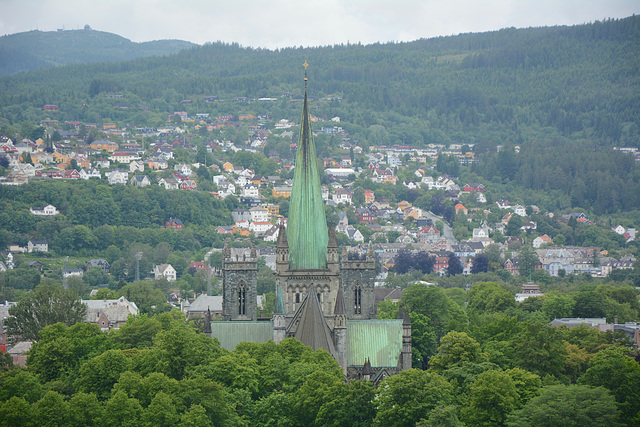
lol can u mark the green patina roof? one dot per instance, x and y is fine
(380, 341)
(231, 333)
(307, 226)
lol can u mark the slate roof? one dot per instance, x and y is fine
(312, 329)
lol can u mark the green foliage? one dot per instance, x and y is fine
(620, 374)
(45, 305)
(568, 405)
(406, 398)
(489, 297)
(492, 397)
(456, 348)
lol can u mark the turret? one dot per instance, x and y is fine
(406, 339)
(282, 250)
(340, 331)
(279, 322)
(333, 258)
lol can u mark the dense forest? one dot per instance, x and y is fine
(43, 49)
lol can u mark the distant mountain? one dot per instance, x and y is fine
(41, 49)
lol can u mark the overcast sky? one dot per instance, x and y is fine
(281, 23)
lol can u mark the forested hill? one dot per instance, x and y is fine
(41, 49)
(579, 83)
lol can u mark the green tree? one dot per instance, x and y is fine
(410, 396)
(350, 404)
(43, 306)
(456, 348)
(16, 412)
(620, 374)
(528, 260)
(539, 349)
(568, 405)
(489, 297)
(491, 398)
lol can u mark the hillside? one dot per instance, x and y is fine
(42, 49)
(513, 85)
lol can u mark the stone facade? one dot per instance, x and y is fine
(239, 285)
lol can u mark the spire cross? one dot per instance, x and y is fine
(305, 65)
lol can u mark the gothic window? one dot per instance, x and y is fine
(297, 297)
(242, 299)
(357, 291)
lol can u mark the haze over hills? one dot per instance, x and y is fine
(42, 49)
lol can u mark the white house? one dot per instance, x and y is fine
(250, 191)
(48, 210)
(260, 227)
(37, 246)
(259, 214)
(90, 173)
(117, 177)
(520, 210)
(166, 271)
(136, 166)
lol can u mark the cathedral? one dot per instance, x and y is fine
(324, 298)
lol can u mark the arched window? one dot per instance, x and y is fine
(357, 300)
(242, 299)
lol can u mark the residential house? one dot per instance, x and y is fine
(174, 223)
(136, 166)
(165, 270)
(70, 272)
(250, 190)
(199, 266)
(541, 240)
(124, 157)
(169, 183)
(281, 191)
(259, 214)
(260, 227)
(365, 215)
(426, 234)
(369, 196)
(87, 173)
(241, 214)
(140, 181)
(512, 266)
(343, 195)
(520, 210)
(102, 263)
(188, 184)
(105, 145)
(224, 229)
(109, 313)
(354, 234)
(183, 169)
(460, 208)
(48, 210)
(117, 176)
(37, 246)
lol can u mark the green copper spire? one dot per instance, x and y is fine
(307, 227)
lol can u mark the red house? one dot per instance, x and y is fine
(49, 107)
(188, 184)
(176, 224)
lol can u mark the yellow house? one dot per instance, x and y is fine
(104, 145)
(404, 205)
(227, 166)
